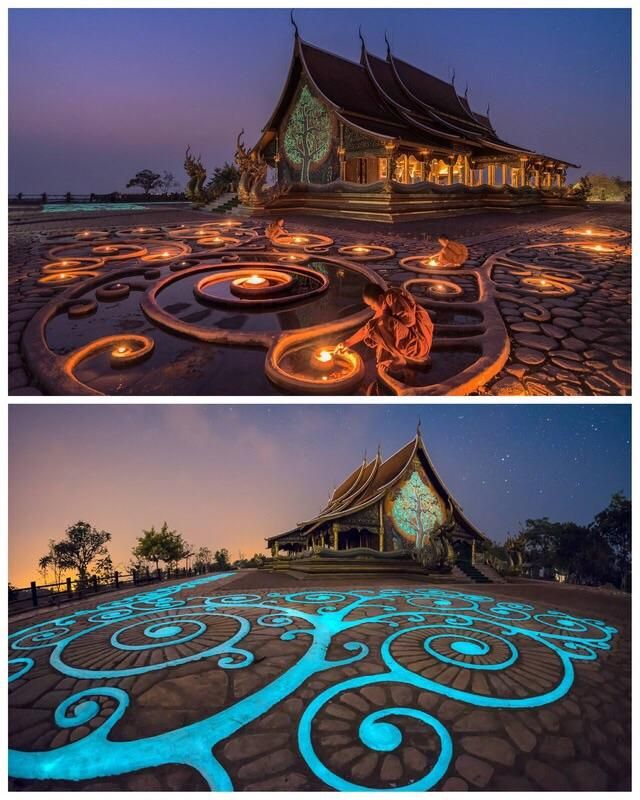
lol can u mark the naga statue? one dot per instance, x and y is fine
(197, 175)
(436, 552)
(252, 189)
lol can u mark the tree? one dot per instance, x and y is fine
(221, 558)
(613, 524)
(307, 138)
(605, 188)
(163, 545)
(168, 181)
(147, 179)
(51, 561)
(223, 179)
(83, 545)
(416, 510)
(203, 557)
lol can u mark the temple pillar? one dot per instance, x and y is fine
(473, 551)
(491, 170)
(334, 531)
(389, 149)
(505, 174)
(381, 528)
(452, 160)
(426, 164)
(343, 162)
(274, 550)
(523, 172)
(537, 177)
(559, 179)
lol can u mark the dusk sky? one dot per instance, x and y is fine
(96, 95)
(230, 476)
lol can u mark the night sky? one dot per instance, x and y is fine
(95, 95)
(230, 476)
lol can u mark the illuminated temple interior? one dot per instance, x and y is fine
(386, 510)
(342, 124)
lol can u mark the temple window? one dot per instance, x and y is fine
(383, 172)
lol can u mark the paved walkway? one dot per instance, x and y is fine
(566, 310)
(234, 682)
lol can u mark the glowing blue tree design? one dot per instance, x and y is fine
(417, 511)
(472, 632)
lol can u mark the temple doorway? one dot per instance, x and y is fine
(357, 537)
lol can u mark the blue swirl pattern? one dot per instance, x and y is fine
(414, 631)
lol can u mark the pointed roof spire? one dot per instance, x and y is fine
(295, 27)
(466, 91)
(419, 428)
(379, 454)
(386, 39)
(488, 108)
(363, 46)
(364, 456)
(453, 76)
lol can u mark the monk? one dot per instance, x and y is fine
(275, 229)
(453, 254)
(401, 330)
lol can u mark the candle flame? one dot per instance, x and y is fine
(324, 356)
(255, 280)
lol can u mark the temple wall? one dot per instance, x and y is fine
(308, 140)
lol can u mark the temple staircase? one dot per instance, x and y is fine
(478, 573)
(224, 203)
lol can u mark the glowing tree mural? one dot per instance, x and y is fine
(417, 511)
(308, 135)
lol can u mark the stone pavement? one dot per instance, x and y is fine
(239, 683)
(564, 313)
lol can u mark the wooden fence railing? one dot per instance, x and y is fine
(114, 197)
(53, 594)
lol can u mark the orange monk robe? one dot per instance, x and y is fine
(453, 254)
(404, 328)
(273, 230)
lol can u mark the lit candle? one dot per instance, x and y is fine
(299, 239)
(121, 351)
(433, 262)
(360, 249)
(323, 360)
(255, 280)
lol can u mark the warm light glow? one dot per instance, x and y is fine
(360, 249)
(324, 355)
(166, 254)
(299, 239)
(433, 262)
(121, 351)
(255, 280)
(589, 232)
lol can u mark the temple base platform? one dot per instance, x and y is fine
(376, 203)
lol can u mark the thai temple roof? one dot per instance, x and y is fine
(394, 100)
(370, 481)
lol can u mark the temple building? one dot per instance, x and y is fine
(387, 514)
(383, 140)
